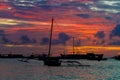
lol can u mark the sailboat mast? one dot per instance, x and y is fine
(73, 46)
(50, 39)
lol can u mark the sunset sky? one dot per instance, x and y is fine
(91, 22)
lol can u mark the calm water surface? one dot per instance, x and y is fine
(12, 69)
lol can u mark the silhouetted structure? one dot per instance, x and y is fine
(11, 56)
(116, 57)
(49, 60)
(88, 56)
(92, 56)
(73, 56)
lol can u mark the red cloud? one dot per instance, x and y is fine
(3, 6)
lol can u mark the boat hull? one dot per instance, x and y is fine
(52, 61)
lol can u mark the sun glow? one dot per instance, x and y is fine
(95, 49)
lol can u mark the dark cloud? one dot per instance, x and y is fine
(4, 14)
(44, 41)
(26, 40)
(99, 42)
(3, 37)
(33, 40)
(108, 18)
(100, 34)
(115, 31)
(46, 7)
(117, 42)
(2, 33)
(5, 40)
(30, 5)
(55, 41)
(77, 42)
(43, 4)
(74, 4)
(83, 15)
(20, 10)
(62, 39)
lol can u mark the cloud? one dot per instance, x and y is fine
(28, 9)
(117, 42)
(33, 40)
(108, 18)
(2, 32)
(31, 4)
(83, 15)
(44, 41)
(77, 42)
(115, 31)
(19, 37)
(12, 23)
(71, 14)
(100, 34)
(106, 6)
(62, 39)
(3, 38)
(19, 15)
(73, 4)
(26, 40)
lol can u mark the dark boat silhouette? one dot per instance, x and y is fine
(116, 57)
(73, 55)
(92, 56)
(50, 60)
(88, 56)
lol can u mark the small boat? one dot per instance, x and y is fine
(92, 56)
(116, 57)
(52, 61)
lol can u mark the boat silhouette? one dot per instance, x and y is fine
(88, 56)
(116, 57)
(50, 60)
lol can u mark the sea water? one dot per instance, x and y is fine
(13, 69)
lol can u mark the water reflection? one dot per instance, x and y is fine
(34, 70)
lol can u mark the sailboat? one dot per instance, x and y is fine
(50, 60)
(73, 55)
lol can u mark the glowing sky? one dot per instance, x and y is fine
(92, 22)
